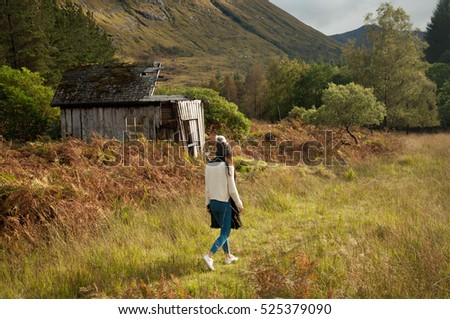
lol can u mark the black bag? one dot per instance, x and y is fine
(214, 223)
(236, 222)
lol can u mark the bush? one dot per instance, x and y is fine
(221, 116)
(350, 105)
(444, 104)
(304, 115)
(25, 111)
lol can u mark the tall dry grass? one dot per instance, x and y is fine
(377, 228)
(52, 189)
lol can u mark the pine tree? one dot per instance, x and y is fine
(48, 38)
(78, 40)
(438, 34)
(313, 81)
(24, 26)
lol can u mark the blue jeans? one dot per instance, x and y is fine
(222, 214)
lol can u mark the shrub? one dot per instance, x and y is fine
(25, 111)
(221, 116)
(304, 115)
(350, 105)
(444, 104)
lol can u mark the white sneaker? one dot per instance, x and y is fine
(208, 261)
(230, 260)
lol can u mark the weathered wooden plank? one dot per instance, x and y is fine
(118, 123)
(108, 122)
(85, 126)
(69, 126)
(166, 114)
(77, 123)
(182, 135)
(100, 122)
(62, 118)
(201, 125)
(95, 125)
(190, 112)
(154, 121)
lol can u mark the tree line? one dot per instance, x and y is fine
(40, 39)
(387, 83)
(50, 36)
(413, 92)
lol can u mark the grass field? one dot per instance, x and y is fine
(378, 228)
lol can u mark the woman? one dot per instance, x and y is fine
(220, 186)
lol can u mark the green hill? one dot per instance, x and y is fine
(359, 36)
(197, 38)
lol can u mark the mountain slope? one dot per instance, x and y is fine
(359, 36)
(277, 27)
(197, 38)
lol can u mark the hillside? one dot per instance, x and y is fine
(230, 35)
(359, 35)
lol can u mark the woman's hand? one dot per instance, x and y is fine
(241, 209)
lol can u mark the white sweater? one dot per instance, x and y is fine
(216, 180)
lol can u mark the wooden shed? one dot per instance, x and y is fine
(118, 102)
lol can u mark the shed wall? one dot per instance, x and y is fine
(109, 122)
(182, 120)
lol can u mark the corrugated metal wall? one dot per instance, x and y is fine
(191, 122)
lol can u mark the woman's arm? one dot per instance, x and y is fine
(207, 199)
(232, 189)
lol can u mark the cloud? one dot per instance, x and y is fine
(331, 17)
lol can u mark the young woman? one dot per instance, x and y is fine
(220, 186)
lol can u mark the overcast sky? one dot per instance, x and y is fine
(339, 16)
